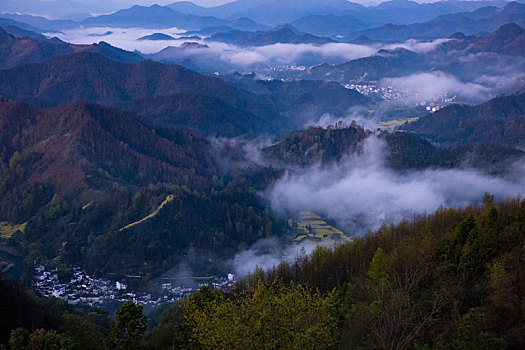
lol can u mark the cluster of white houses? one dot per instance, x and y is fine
(85, 289)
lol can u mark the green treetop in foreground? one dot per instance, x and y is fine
(127, 332)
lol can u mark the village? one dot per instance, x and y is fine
(389, 93)
(88, 290)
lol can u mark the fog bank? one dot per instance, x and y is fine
(361, 193)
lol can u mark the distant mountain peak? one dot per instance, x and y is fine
(157, 36)
(458, 36)
(510, 29)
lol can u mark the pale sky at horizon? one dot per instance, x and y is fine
(211, 3)
(205, 3)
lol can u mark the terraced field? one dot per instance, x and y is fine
(310, 226)
(392, 124)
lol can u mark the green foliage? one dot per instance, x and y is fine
(471, 334)
(453, 280)
(274, 316)
(19, 339)
(378, 267)
(48, 340)
(40, 339)
(127, 332)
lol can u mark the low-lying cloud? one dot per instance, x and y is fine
(267, 253)
(416, 45)
(358, 114)
(361, 193)
(294, 53)
(236, 57)
(124, 38)
(433, 85)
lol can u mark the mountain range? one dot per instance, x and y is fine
(81, 167)
(396, 62)
(505, 45)
(279, 35)
(98, 79)
(157, 16)
(268, 12)
(66, 146)
(485, 19)
(279, 12)
(337, 19)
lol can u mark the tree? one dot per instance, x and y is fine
(19, 339)
(127, 332)
(48, 340)
(274, 316)
(378, 267)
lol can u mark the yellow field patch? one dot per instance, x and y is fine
(152, 215)
(311, 226)
(7, 230)
(84, 207)
(391, 124)
(304, 215)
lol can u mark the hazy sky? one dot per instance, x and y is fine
(207, 3)
(210, 3)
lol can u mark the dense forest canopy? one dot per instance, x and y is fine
(451, 280)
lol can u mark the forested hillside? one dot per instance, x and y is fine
(15, 50)
(80, 174)
(404, 150)
(94, 78)
(452, 280)
(499, 120)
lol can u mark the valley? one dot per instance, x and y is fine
(262, 174)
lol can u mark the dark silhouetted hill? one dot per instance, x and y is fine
(500, 120)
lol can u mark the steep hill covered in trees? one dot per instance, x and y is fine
(16, 50)
(452, 280)
(500, 120)
(93, 78)
(80, 174)
(403, 150)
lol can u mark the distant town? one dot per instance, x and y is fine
(85, 289)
